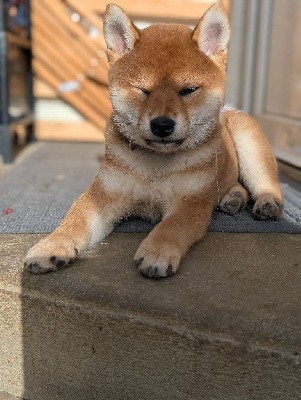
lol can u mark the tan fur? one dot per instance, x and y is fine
(210, 159)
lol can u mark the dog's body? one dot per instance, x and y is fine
(172, 153)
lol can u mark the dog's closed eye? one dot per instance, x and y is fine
(145, 91)
(187, 91)
(142, 90)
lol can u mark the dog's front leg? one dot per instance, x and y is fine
(89, 220)
(160, 253)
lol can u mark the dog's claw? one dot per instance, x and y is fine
(170, 270)
(156, 272)
(152, 272)
(138, 262)
(36, 268)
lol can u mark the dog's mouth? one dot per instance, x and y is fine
(164, 142)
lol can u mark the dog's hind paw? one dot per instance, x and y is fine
(235, 200)
(267, 207)
(232, 203)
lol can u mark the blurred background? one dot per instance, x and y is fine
(53, 67)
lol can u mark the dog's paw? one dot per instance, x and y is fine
(267, 207)
(157, 261)
(232, 202)
(50, 254)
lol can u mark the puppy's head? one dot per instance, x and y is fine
(167, 82)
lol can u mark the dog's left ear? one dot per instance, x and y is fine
(119, 32)
(212, 34)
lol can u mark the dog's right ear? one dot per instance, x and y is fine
(212, 34)
(119, 32)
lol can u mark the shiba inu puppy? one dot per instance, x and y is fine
(173, 153)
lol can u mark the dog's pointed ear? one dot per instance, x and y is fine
(212, 33)
(119, 32)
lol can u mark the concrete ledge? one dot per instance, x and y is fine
(6, 396)
(226, 327)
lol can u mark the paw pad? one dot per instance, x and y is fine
(267, 208)
(232, 203)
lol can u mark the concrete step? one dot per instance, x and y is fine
(6, 396)
(226, 327)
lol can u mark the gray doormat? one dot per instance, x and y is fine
(38, 191)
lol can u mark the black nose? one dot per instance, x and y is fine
(162, 126)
